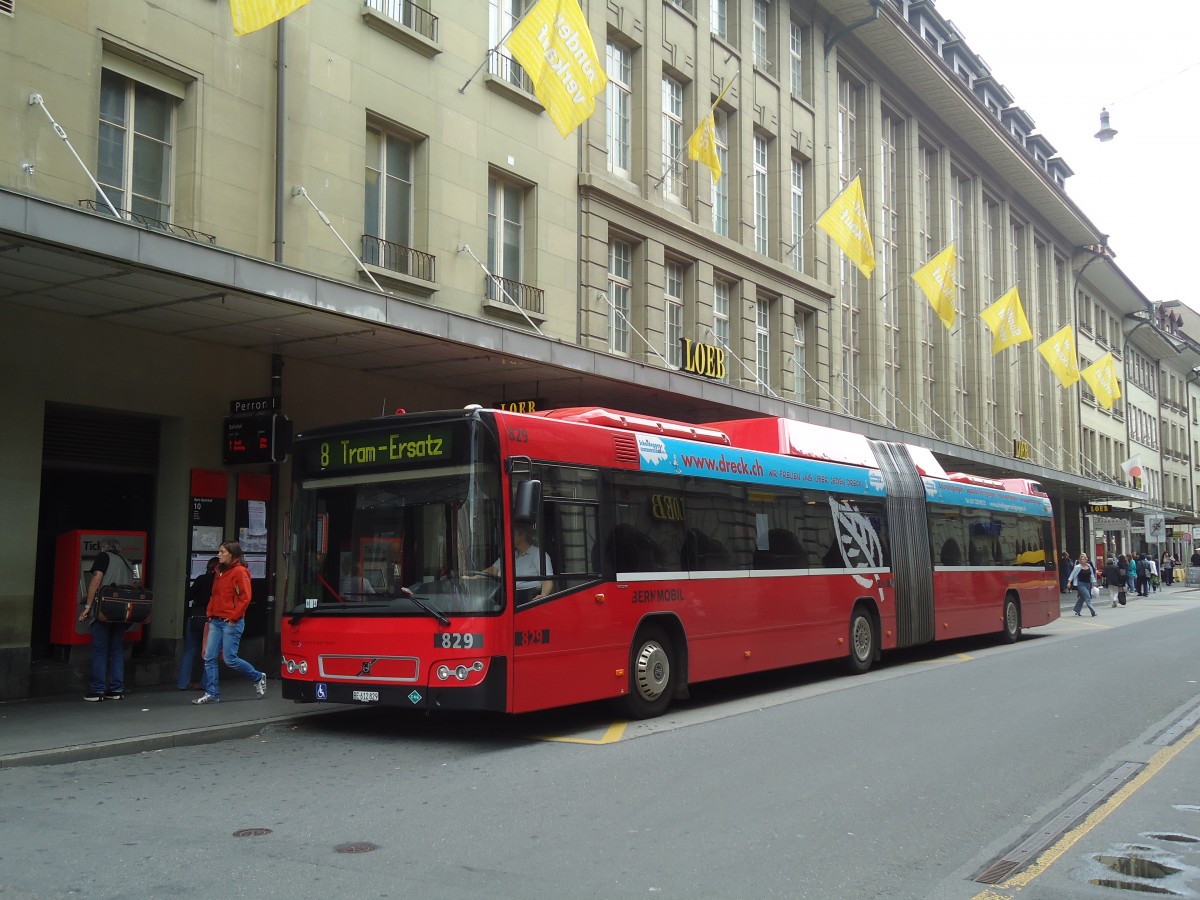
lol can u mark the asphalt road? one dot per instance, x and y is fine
(904, 783)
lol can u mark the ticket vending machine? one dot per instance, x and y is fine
(74, 553)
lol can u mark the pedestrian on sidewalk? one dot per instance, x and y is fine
(107, 681)
(226, 622)
(1083, 576)
(1064, 571)
(1114, 580)
(1143, 575)
(195, 617)
(1168, 568)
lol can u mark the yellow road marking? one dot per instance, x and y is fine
(612, 734)
(1157, 763)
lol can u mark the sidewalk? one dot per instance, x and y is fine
(50, 730)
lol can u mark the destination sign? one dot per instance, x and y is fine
(394, 449)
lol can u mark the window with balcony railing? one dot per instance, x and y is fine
(408, 14)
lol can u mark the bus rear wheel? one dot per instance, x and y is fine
(1012, 620)
(863, 641)
(651, 674)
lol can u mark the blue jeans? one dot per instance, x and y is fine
(1084, 592)
(193, 632)
(224, 638)
(108, 657)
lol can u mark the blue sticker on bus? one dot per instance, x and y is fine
(730, 464)
(322, 693)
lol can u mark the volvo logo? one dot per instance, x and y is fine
(366, 667)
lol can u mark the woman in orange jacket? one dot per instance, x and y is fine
(226, 622)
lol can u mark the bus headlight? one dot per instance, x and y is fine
(462, 671)
(294, 666)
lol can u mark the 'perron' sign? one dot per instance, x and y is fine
(703, 359)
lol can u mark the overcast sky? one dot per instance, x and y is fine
(1062, 60)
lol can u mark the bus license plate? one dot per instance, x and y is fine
(456, 640)
(365, 696)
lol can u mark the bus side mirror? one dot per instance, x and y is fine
(527, 502)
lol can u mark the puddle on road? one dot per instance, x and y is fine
(1172, 836)
(1134, 886)
(1137, 866)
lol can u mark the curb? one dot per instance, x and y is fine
(186, 737)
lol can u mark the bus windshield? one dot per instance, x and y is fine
(414, 542)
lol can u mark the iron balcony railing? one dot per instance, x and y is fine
(148, 222)
(408, 14)
(505, 290)
(508, 69)
(398, 258)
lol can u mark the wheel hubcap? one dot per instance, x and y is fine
(652, 671)
(1011, 617)
(862, 638)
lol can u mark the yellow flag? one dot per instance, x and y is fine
(553, 44)
(846, 222)
(1059, 351)
(702, 146)
(1007, 320)
(251, 15)
(936, 279)
(1101, 377)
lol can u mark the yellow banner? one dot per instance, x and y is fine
(1101, 377)
(251, 15)
(1059, 352)
(553, 44)
(1006, 319)
(702, 146)
(936, 279)
(846, 222)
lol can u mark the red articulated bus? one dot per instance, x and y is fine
(479, 559)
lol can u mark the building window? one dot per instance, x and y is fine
(620, 100)
(673, 301)
(796, 40)
(721, 330)
(720, 24)
(799, 350)
(672, 139)
(387, 211)
(620, 294)
(135, 146)
(506, 232)
(720, 188)
(761, 234)
(762, 345)
(797, 246)
(502, 16)
(764, 58)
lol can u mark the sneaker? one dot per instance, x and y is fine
(114, 696)
(261, 685)
(93, 698)
(206, 698)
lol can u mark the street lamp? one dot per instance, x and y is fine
(1106, 132)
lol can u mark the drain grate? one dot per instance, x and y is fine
(1181, 727)
(1028, 850)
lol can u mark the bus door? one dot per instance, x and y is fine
(908, 529)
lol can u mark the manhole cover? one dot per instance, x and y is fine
(252, 832)
(356, 847)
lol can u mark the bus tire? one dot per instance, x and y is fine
(864, 641)
(652, 674)
(1011, 632)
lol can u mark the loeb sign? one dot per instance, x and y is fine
(703, 359)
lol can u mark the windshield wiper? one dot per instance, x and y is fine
(409, 595)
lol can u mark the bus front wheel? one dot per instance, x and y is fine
(651, 674)
(863, 644)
